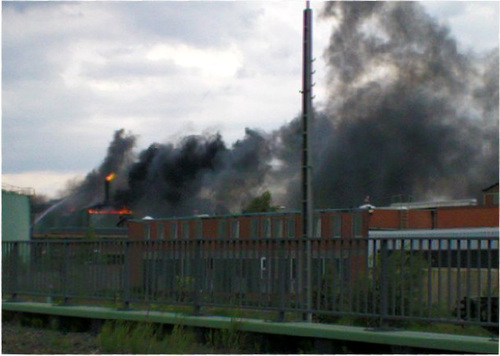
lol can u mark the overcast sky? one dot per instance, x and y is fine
(75, 72)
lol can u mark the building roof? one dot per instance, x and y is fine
(490, 187)
(18, 190)
(430, 233)
(434, 204)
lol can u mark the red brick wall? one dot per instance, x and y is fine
(474, 216)
(419, 219)
(385, 219)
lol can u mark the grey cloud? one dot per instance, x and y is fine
(195, 23)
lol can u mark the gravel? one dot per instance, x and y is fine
(18, 339)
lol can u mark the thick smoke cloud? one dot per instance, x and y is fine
(90, 191)
(408, 115)
(198, 175)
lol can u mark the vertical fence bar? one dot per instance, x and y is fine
(468, 282)
(198, 276)
(374, 275)
(402, 289)
(449, 270)
(14, 271)
(126, 275)
(479, 276)
(281, 281)
(429, 277)
(64, 277)
(393, 282)
(488, 281)
(383, 282)
(439, 276)
(420, 250)
(458, 284)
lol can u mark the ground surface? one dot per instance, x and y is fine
(18, 339)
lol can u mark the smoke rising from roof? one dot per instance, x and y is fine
(90, 191)
(410, 113)
(198, 175)
(407, 114)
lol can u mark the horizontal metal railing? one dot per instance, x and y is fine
(380, 280)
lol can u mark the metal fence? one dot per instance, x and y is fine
(384, 281)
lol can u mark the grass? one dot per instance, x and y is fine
(146, 338)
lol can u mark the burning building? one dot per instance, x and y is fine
(408, 114)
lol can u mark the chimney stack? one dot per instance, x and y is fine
(107, 183)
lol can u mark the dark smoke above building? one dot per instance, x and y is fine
(408, 114)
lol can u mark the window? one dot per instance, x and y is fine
(235, 229)
(290, 227)
(317, 226)
(266, 230)
(221, 229)
(173, 230)
(199, 229)
(254, 228)
(277, 228)
(185, 230)
(161, 231)
(336, 226)
(357, 225)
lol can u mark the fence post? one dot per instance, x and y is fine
(383, 283)
(282, 276)
(64, 272)
(197, 277)
(14, 269)
(126, 276)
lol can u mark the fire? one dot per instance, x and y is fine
(122, 211)
(110, 177)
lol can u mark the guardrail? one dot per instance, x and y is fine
(384, 281)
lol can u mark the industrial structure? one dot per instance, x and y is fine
(16, 213)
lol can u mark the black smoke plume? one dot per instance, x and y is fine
(409, 114)
(90, 191)
(198, 175)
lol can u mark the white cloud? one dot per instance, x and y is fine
(48, 183)
(211, 62)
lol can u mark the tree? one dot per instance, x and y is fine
(261, 204)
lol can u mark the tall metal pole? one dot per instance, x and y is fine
(307, 205)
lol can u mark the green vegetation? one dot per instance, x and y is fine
(261, 204)
(400, 285)
(231, 340)
(146, 338)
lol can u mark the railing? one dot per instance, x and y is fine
(18, 190)
(384, 281)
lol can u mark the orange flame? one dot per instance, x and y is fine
(110, 177)
(122, 211)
